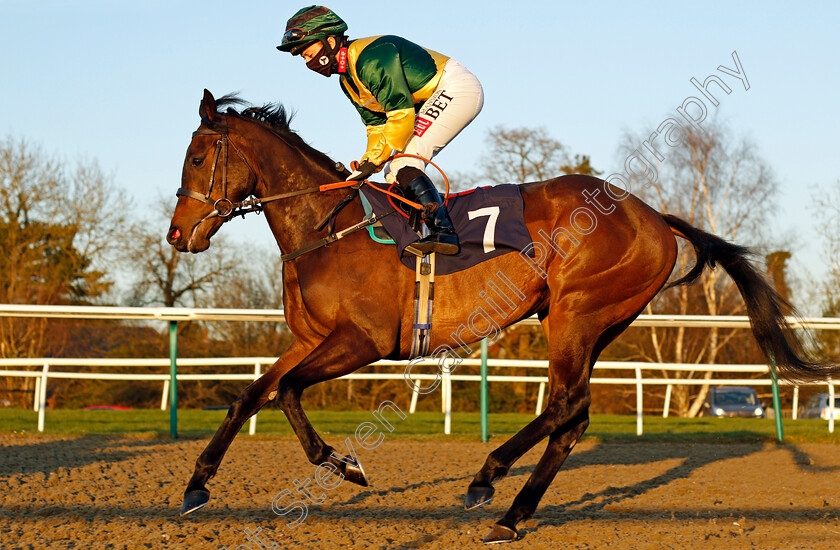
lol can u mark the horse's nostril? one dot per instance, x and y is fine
(174, 234)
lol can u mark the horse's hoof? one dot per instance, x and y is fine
(478, 495)
(355, 474)
(193, 500)
(500, 533)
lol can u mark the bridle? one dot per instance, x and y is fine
(227, 209)
(224, 207)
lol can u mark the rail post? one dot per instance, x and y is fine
(777, 402)
(446, 396)
(484, 436)
(164, 394)
(666, 408)
(413, 406)
(540, 398)
(639, 402)
(173, 379)
(252, 428)
(42, 397)
(36, 401)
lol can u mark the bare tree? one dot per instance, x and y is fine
(721, 185)
(826, 208)
(56, 228)
(256, 284)
(519, 155)
(160, 275)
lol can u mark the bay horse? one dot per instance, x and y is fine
(351, 303)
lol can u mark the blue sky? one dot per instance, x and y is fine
(120, 82)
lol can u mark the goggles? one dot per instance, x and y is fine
(294, 35)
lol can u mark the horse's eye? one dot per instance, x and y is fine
(196, 161)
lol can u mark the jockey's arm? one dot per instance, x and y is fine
(383, 75)
(384, 139)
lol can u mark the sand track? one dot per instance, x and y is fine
(114, 492)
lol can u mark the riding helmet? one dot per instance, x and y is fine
(309, 25)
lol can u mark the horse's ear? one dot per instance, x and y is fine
(207, 109)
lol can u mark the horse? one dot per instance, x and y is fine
(351, 303)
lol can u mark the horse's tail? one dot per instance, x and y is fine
(765, 307)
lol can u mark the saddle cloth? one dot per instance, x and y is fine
(489, 221)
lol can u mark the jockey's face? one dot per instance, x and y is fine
(315, 48)
(311, 51)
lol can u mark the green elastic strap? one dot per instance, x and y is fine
(368, 213)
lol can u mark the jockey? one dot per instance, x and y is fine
(411, 99)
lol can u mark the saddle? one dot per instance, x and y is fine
(490, 222)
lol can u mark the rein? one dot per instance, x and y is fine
(225, 208)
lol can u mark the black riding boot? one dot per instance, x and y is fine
(442, 239)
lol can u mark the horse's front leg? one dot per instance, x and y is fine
(342, 352)
(249, 402)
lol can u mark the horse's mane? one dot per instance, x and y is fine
(272, 116)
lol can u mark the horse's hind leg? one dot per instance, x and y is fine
(564, 420)
(560, 444)
(568, 397)
(249, 402)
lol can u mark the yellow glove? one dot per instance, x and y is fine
(363, 171)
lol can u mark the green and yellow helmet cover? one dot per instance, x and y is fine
(308, 25)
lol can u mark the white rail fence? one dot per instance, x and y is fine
(638, 379)
(44, 373)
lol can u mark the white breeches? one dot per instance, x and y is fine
(455, 103)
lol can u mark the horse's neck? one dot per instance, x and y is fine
(292, 220)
